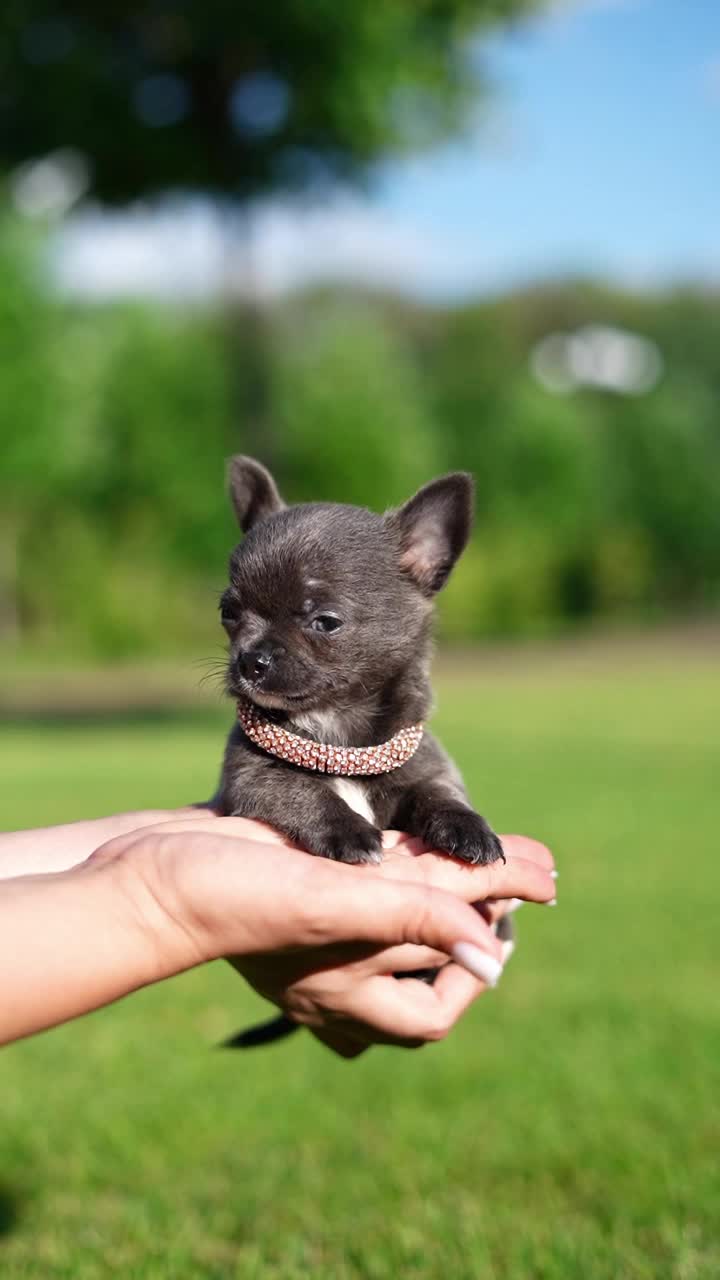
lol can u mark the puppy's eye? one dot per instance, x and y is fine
(229, 613)
(325, 622)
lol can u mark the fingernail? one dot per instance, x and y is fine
(477, 962)
(554, 874)
(508, 948)
(551, 903)
(513, 905)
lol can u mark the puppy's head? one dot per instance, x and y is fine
(327, 602)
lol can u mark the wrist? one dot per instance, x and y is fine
(74, 940)
(149, 877)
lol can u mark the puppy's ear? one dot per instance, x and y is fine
(433, 528)
(253, 491)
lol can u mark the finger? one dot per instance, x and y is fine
(515, 878)
(526, 847)
(364, 959)
(513, 846)
(367, 908)
(456, 990)
(407, 1012)
(493, 911)
(417, 1013)
(405, 959)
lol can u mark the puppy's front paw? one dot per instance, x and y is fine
(352, 840)
(464, 834)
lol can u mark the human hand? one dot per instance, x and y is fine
(322, 940)
(39, 850)
(292, 983)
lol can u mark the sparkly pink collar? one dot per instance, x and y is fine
(321, 756)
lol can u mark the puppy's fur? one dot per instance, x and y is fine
(328, 613)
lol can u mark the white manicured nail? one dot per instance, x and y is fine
(513, 905)
(551, 903)
(477, 962)
(508, 948)
(554, 874)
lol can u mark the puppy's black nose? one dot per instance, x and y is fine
(254, 664)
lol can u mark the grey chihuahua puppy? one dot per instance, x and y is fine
(328, 613)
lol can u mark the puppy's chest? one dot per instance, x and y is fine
(356, 797)
(326, 727)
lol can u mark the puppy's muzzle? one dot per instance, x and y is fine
(254, 664)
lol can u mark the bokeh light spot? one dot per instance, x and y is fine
(50, 186)
(597, 356)
(162, 100)
(259, 104)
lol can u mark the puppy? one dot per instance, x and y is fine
(328, 614)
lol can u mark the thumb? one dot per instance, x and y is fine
(391, 912)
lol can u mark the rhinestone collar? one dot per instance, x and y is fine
(322, 757)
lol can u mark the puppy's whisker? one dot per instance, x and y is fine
(214, 670)
(216, 678)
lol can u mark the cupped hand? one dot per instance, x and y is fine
(414, 1012)
(321, 939)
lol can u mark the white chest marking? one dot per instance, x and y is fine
(327, 726)
(355, 796)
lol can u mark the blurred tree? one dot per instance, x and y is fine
(237, 101)
(162, 432)
(350, 409)
(113, 421)
(234, 100)
(28, 403)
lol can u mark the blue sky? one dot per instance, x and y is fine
(599, 152)
(602, 150)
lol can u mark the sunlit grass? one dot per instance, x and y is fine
(569, 1127)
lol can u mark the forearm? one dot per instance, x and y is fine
(76, 940)
(45, 849)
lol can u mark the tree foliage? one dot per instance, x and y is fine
(116, 423)
(235, 100)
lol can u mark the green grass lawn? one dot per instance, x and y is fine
(568, 1128)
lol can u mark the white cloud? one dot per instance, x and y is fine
(346, 240)
(179, 252)
(138, 253)
(574, 5)
(182, 252)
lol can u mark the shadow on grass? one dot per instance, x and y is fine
(9, 1211)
